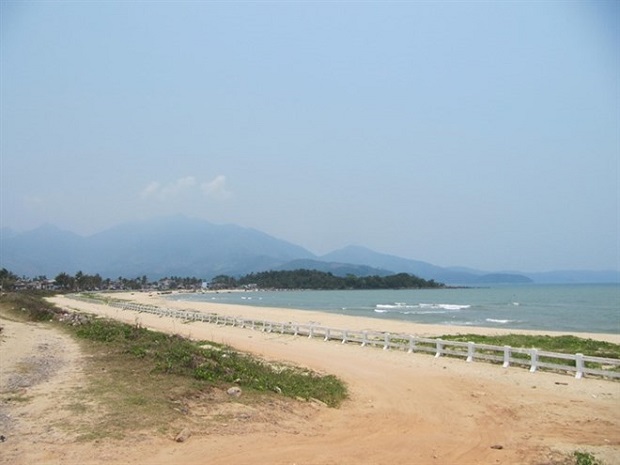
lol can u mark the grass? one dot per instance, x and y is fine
(211, 363)
(142, 380)
(30, 305)
(562, 344)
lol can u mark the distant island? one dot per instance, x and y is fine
(319, 280)
(503, 278)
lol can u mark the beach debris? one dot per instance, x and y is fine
(277, 390)
(2, 438)
(560, 383)
(234, 391)
(183, 435)
(497, 446)
(316, 402)
(74, 319)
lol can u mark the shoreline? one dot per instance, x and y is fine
(340, 321)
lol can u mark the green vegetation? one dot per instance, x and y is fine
(562, 344)
(585, 458)
(142, 380)
(7, 279)
(206, 361)
(31, 304)
(313, 279)
(171, 354)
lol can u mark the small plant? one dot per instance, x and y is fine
(585, 458)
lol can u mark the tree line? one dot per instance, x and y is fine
(314, 279)
(87, 282)
(295, 279)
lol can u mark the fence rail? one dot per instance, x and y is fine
(535, 359)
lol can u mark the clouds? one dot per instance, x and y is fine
(186, 186)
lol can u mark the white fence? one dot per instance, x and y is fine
(533, 359)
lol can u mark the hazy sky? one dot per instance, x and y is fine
(481, 134)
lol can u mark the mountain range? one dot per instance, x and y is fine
(182, 246)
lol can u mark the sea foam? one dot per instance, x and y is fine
(418, 309)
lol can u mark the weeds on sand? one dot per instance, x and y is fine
(563, 344)
(142, 380)
(585, 458)
(212, 363)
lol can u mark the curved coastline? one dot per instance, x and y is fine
(341, 321)
(391, 392)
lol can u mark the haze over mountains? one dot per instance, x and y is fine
(181, 246)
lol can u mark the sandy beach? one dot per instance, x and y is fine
(403, 408)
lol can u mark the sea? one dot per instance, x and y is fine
(592, 308)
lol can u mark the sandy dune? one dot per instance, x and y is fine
(404, 408)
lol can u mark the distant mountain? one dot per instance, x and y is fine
(7, 233)
(575, 277)
(361, 255)
(503, 278)
(42, 251)
(171, 246)
(337, 269)
(181, 246)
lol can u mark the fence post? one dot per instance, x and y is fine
(296, 332)
(311, 332)
(345, 336)
(386, 341)
(439, 346)
(326, 334)
(365, 338)
(534, 360)
(471, 347)
(411, 344)
(506, 357)
(579, 365)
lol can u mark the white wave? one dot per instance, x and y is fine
(396, 305)
(502, 322)
(412, 312)
(445, 306)
(419, 309)
(454, 307)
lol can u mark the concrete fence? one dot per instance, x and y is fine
(533, 359)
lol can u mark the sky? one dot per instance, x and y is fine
(478, 134)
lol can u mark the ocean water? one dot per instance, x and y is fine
(569, 308)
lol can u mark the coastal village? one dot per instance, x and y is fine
(83, 282)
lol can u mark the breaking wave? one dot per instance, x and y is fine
(501, 322)
(418, 309)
